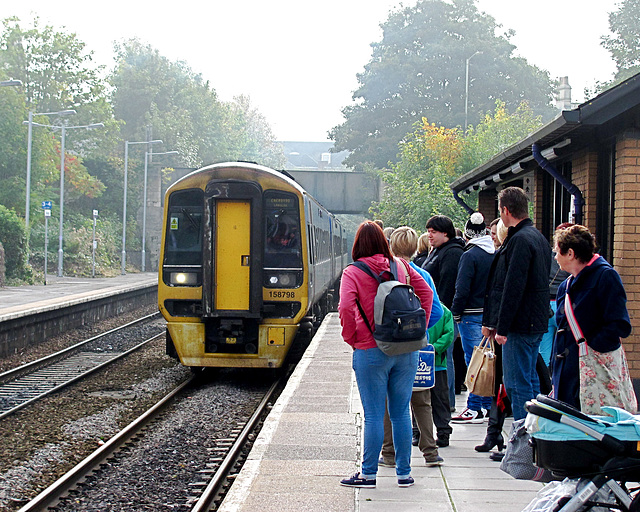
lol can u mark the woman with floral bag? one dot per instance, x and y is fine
(589, 367)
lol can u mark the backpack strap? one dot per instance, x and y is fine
(393, 268)
(367, 270)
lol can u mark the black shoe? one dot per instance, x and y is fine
(497, 456)
(442, 442)
(490, 442)
(415, 439)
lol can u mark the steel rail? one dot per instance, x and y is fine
(26, 368)
(216, 482)
(78, 377)
(54, 492)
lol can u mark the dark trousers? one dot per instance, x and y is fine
(440, 405)
(459, 364)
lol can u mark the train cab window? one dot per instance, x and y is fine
(283, 246)
(183, 241)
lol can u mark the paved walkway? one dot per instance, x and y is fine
(18, 300)
(312, 439)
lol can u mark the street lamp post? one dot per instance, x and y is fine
(63, 130)
(466, 91)
(124, 207)
(144, 203)
(29, 145)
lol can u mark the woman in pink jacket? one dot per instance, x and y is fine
(381, 378)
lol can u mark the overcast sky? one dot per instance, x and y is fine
(298, 60)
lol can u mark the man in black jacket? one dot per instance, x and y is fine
(516, 308)
(442, 265)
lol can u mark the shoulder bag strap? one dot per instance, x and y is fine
(571, 317)
(406, 272)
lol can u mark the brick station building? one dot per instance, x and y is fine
(583, 167)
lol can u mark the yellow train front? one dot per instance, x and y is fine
(247, 258)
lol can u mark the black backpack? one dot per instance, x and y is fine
(400, 322)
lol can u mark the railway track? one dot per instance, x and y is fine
(29, 383)
(209, 479)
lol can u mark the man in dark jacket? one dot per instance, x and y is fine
(442, 265)
(516, 308)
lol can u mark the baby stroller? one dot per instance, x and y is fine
(597, 455)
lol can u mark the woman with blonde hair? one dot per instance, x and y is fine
(423, 249)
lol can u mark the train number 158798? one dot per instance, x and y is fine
(277, 294)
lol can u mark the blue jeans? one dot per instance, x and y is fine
(381, 379)
(519, 355)
(451, 371)
(549, 336)
(470, 328)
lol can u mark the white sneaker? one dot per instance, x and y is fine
(468, 416)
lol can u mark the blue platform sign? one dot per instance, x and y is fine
(46, 205)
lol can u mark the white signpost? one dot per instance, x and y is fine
(46, 207)
(95, 244)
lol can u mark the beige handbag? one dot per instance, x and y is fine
(481, 373)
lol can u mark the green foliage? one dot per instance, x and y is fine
(146, 96)
(624, 45)
(12, 237)
(418, 70)
(496, 132)
(184, 112)
(432, 156)
(77, 246)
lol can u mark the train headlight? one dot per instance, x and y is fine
(283, 279)
(286, 280)
(183, 278)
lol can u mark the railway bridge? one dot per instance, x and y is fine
(341, 192)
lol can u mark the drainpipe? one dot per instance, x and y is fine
(461, 202)
(578, 200)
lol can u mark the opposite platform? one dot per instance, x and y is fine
(312, 439)
(29, 299)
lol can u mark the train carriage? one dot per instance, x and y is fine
(248, 257)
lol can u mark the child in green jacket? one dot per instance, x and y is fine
(441, 337)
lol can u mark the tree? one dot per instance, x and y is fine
(14, 241)
(496, 132)
(624, 46)
(432, 156)
(417, 186)
(57, 74)
(183, 110)
(258, 143)
(418, 70)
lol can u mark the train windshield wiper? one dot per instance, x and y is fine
(187, 214)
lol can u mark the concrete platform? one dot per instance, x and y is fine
(32, 314)
(312, 439)
(28, 299)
